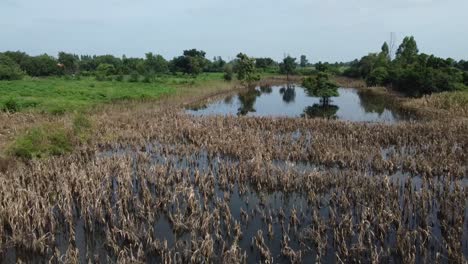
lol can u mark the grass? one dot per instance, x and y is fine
(42, 141)
(57, 95)
(51, 139)
(455, 103)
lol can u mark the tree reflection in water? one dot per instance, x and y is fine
(247, 100)
(289, 93)
(266, 89)
(321, 110)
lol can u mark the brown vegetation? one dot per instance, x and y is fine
(162, 185)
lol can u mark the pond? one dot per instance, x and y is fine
(293, 101)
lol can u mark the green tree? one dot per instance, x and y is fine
(9, 69)
(156, 63)
(304, 62)
(265, 63)
(321, 86)
(69, 62)
(228, 72)
(245, 68)
(385, 50)
(104, 70)
(408, 50)
(42, 65)
(378, 76)
(192, 62)
(288, 66)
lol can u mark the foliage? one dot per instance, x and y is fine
(407, 51)
(56, 95)
(245, 68)
(42, 141)
(410, 72)
(104, 70)
(69, 62)
(320, 86)
(9, 69)
(288, 66)
(378, 76)
(156, 63)
(192, 62)
(303, 61)
(228, 73)
(265, 63)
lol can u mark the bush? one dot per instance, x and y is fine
(41, 142)
(228, 73)
(119, 78)
(9, 70)
(11, 106)
(134, 77)
(378, 77)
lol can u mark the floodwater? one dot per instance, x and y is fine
(293, 101)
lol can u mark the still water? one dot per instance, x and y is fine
(293, 101)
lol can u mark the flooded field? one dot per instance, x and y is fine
(293, 101)
(173, 187)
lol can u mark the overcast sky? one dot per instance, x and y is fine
(329, 30)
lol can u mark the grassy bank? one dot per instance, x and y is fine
(38, 116)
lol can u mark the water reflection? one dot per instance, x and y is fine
(247, 100)
(293, 101)
(321, 110)
(289, 93)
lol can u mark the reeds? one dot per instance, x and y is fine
(172, 188)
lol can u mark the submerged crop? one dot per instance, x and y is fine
(174, 188)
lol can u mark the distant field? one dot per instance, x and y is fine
(58, 95)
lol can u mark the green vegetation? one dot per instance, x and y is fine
(42, 141)
(410, 72)
(9, 70)
(288, 66)
(321, 86)
(58, 95)
(245, 68)
(51, 139)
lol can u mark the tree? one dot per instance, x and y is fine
(245, 68)
(69, 62)
(304, 62)
(104, 70)
(378, 76)
(228, 72)
(321, 86)
(156, 63)
(321, 67)
(265, 63)
(192, 62)
(42, 65)
(9, 69)
(408, 51)
(288, 66)
(385, 50)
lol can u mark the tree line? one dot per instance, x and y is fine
(16, 64)
(410, 72)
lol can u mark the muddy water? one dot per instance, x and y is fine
(293, 101)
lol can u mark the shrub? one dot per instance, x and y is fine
(378, 76)
(134, 77)
(42, 141)
(9, 70)
(119, 78)
(228, 73)
(11, 106)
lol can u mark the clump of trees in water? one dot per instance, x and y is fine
(410, 72)
(321, 86)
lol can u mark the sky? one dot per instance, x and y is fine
(323, 30)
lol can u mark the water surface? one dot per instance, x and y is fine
(293, 101)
